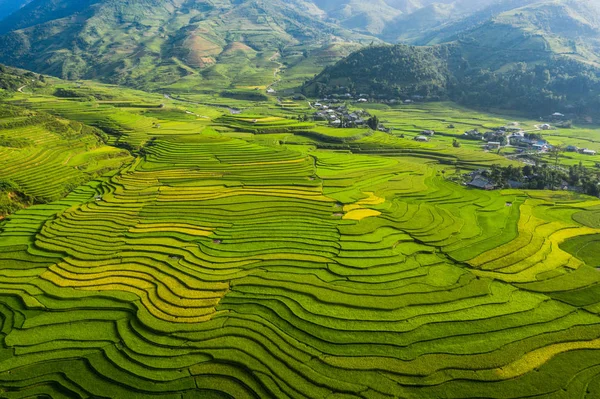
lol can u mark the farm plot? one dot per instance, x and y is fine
(218, 266)
(46, 157)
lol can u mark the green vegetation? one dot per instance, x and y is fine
(43, 158)
(458, 72)
(173, 46)
(209, 238)
(12, 80)
(257, 254)
(12, 198)
(586, 248)
(550, 177)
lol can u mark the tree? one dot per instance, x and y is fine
(555, 151)
(591, 188)
(373, 122)
(456, 143)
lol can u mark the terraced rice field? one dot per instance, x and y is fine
(54, 156)
(219, 264)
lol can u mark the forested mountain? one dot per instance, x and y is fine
(539, 58)
(153, 43)
(454, 71)
(203, 44)
(8, 7)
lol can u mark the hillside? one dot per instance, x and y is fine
(44, 157)
(568, 28)
(540, 58)
(195, 45)
(256, 255)
(433, 16)
(184, 46)
(156, 43)
(8, 7)
(395, 71)
(463, 74)
(12, 80)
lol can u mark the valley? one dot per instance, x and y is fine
(268, 199)
(241, 255)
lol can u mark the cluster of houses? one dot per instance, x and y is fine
(584, 151)
(473, 135)
(479, 179)
(509, 135)
(530, 143)
(363, 98)
(340, 115)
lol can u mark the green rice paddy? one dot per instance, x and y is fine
(255, 256)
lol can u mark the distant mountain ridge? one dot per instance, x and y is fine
(202, 44)
(534, 82)
(151, 43)
(8, 7)
(552, 47)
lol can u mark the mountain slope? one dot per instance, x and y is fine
(370, 17)
(155, 43)
(12, 80)
(196, 45)
(430, 16)
(539, 58)
(393, 71)
(7, 7)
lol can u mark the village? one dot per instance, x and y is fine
(527, 146)
(336, 113)
(523, 142)
(516, 143)
(339, 115)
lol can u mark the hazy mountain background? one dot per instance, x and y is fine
(207, 44)
(535, 56)
(8, 7)
(153, 43)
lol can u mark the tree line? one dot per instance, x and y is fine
(546, 177)
(444, 72)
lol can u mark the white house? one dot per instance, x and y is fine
(517, 135)
(421, 138)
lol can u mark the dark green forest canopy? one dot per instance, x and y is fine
(448, 72)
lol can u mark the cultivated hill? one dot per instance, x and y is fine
(154, 43)
(200, 45)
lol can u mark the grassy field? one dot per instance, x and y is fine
(249, 254)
